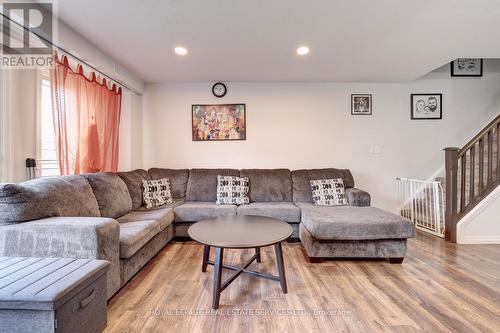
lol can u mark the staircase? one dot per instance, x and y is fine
(472, 172)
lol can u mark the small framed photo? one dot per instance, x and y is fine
(467, 67)
(426, 106)
(361, 104)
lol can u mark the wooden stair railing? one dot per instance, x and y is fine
(472, 172)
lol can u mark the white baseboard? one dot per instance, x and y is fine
(480, 240)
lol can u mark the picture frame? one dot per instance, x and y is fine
(361, 104)
(218, 122)
(467, 67)
(426, 106)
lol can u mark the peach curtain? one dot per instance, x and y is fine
(86, 120)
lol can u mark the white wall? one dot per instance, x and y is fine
(20, 116)
(482, 224)
(73, 42)
(136, 132)
(130, 132)
(309, 125)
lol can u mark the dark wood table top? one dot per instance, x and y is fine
(240, 231)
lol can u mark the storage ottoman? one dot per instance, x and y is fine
(52, 295)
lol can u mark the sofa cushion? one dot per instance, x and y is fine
(354, 223)
(284, 211)
(301, 181)
(133, 180)
(134, 235)
(328, 192)
(164, 216)
(47, 197)
(178, 180)
(111, 193)
(268, 185)
(232, 190)
(202, 183)
(157, 192)
(197, 211)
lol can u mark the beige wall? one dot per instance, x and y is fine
(309, 125)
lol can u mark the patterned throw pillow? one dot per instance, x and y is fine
(156, 192)
(232, 190)
(328, 192)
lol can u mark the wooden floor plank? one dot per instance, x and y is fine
(440, 287)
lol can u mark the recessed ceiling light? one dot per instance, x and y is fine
(303, 50)
(179, 50)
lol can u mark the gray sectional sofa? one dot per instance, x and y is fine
(101, 216)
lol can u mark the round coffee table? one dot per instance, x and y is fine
(240, 232)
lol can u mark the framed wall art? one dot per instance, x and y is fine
(361, 104)
(426, 106)
(472, 67)
(218, 122)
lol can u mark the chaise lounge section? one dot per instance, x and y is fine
(353, 231)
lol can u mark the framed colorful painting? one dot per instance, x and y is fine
(218, 122)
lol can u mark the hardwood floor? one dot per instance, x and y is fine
(440, 287)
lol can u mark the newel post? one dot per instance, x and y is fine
(450, 216)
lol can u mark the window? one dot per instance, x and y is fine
(46, 161)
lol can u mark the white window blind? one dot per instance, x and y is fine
(47, 163)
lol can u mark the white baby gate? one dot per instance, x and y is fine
(422, 202)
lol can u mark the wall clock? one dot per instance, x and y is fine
(219, 89)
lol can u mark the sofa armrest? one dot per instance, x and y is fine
(357, 197)
(70, 237)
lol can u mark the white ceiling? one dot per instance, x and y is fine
(255, 40)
